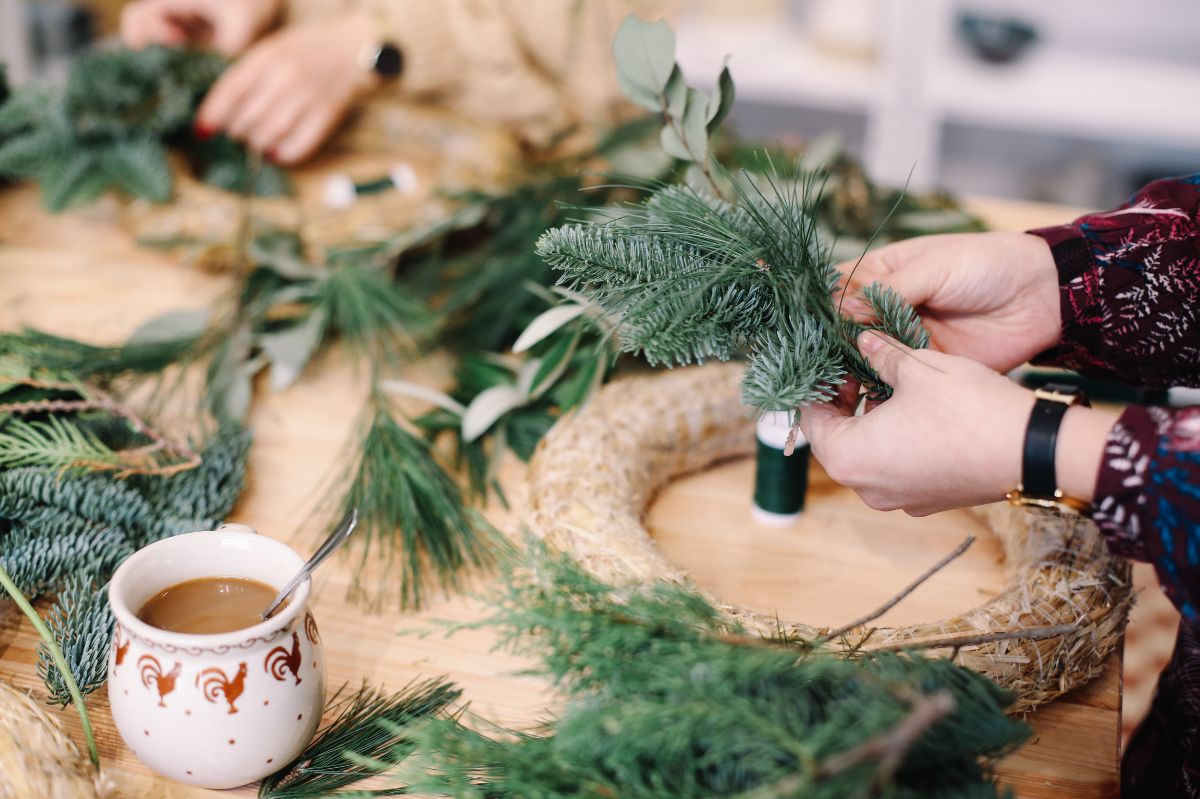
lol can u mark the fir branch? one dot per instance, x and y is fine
(56, 354)
(82, 624)
(375, 316)
(57, 658)
(370, 735)
(895, 317)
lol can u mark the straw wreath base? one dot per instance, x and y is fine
(597, 470)
(37, 759)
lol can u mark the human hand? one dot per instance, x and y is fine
(228, 26)
(992, 297)
(288, 93)
(951, 435)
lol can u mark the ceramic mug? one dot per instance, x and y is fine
(218, 710)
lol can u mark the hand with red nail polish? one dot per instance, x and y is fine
(287, 95)
(990, 296)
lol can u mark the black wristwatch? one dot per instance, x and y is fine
(1039, 482)
(385, 60)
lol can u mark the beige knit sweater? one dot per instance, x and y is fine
(542, 68)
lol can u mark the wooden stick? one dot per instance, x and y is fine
(959, 641)
(886, 606)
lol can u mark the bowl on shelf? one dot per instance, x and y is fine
(996, 40)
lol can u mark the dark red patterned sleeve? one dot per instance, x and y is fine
(1129, 283)
(1129, 288)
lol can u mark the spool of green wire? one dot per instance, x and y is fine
(780, 481)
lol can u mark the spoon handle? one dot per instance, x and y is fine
(336, 539)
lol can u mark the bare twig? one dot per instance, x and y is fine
(887, 748)
(96, 399)
(886, 606)
(957, 641)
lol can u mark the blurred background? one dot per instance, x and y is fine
(1070, 101)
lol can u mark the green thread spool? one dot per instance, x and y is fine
(341, 191)
(780, 481)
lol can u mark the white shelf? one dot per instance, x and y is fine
(775, 63)
(1073, 94)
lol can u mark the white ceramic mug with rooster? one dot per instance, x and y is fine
(218, 710)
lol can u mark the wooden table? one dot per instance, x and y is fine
(78, 275)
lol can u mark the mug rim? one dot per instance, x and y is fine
(155, 636)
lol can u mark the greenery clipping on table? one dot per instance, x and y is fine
(110, 125)
(371, 732)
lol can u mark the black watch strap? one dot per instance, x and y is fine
(1038, 477)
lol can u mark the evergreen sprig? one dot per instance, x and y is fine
(82, 623)
(371, 733)
(54, 442)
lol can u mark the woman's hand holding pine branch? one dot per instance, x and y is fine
(953, 432)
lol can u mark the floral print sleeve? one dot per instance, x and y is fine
(1130, 297)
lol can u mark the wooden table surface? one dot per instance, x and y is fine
(80, 275)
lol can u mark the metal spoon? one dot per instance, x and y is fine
(336, 539)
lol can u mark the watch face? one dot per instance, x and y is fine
(389, 62)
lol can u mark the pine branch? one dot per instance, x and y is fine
(55, 443)
(412, 516)
(370, 735)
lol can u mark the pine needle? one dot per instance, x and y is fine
(371, 734)
(412, 516)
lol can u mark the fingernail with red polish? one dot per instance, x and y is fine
(202, 131)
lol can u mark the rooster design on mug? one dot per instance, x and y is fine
(151, 672)
(121, 647)
(213, 683)
(280, 661)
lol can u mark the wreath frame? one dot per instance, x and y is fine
(596, 472)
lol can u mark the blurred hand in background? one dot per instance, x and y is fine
(287, 91)
(228, 26)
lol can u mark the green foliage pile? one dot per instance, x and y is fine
(662, 698)
(109, 128)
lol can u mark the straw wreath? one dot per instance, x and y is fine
(1060, 615)
(36, 756)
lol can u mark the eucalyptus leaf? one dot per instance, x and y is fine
(407, 388)
(172, 326)
(553, 364)
(721, 101)
(676, 93)
(488, 407)
(289, 350)
(546, 323)
(687, 139)
(283, 253)
(645, 56)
